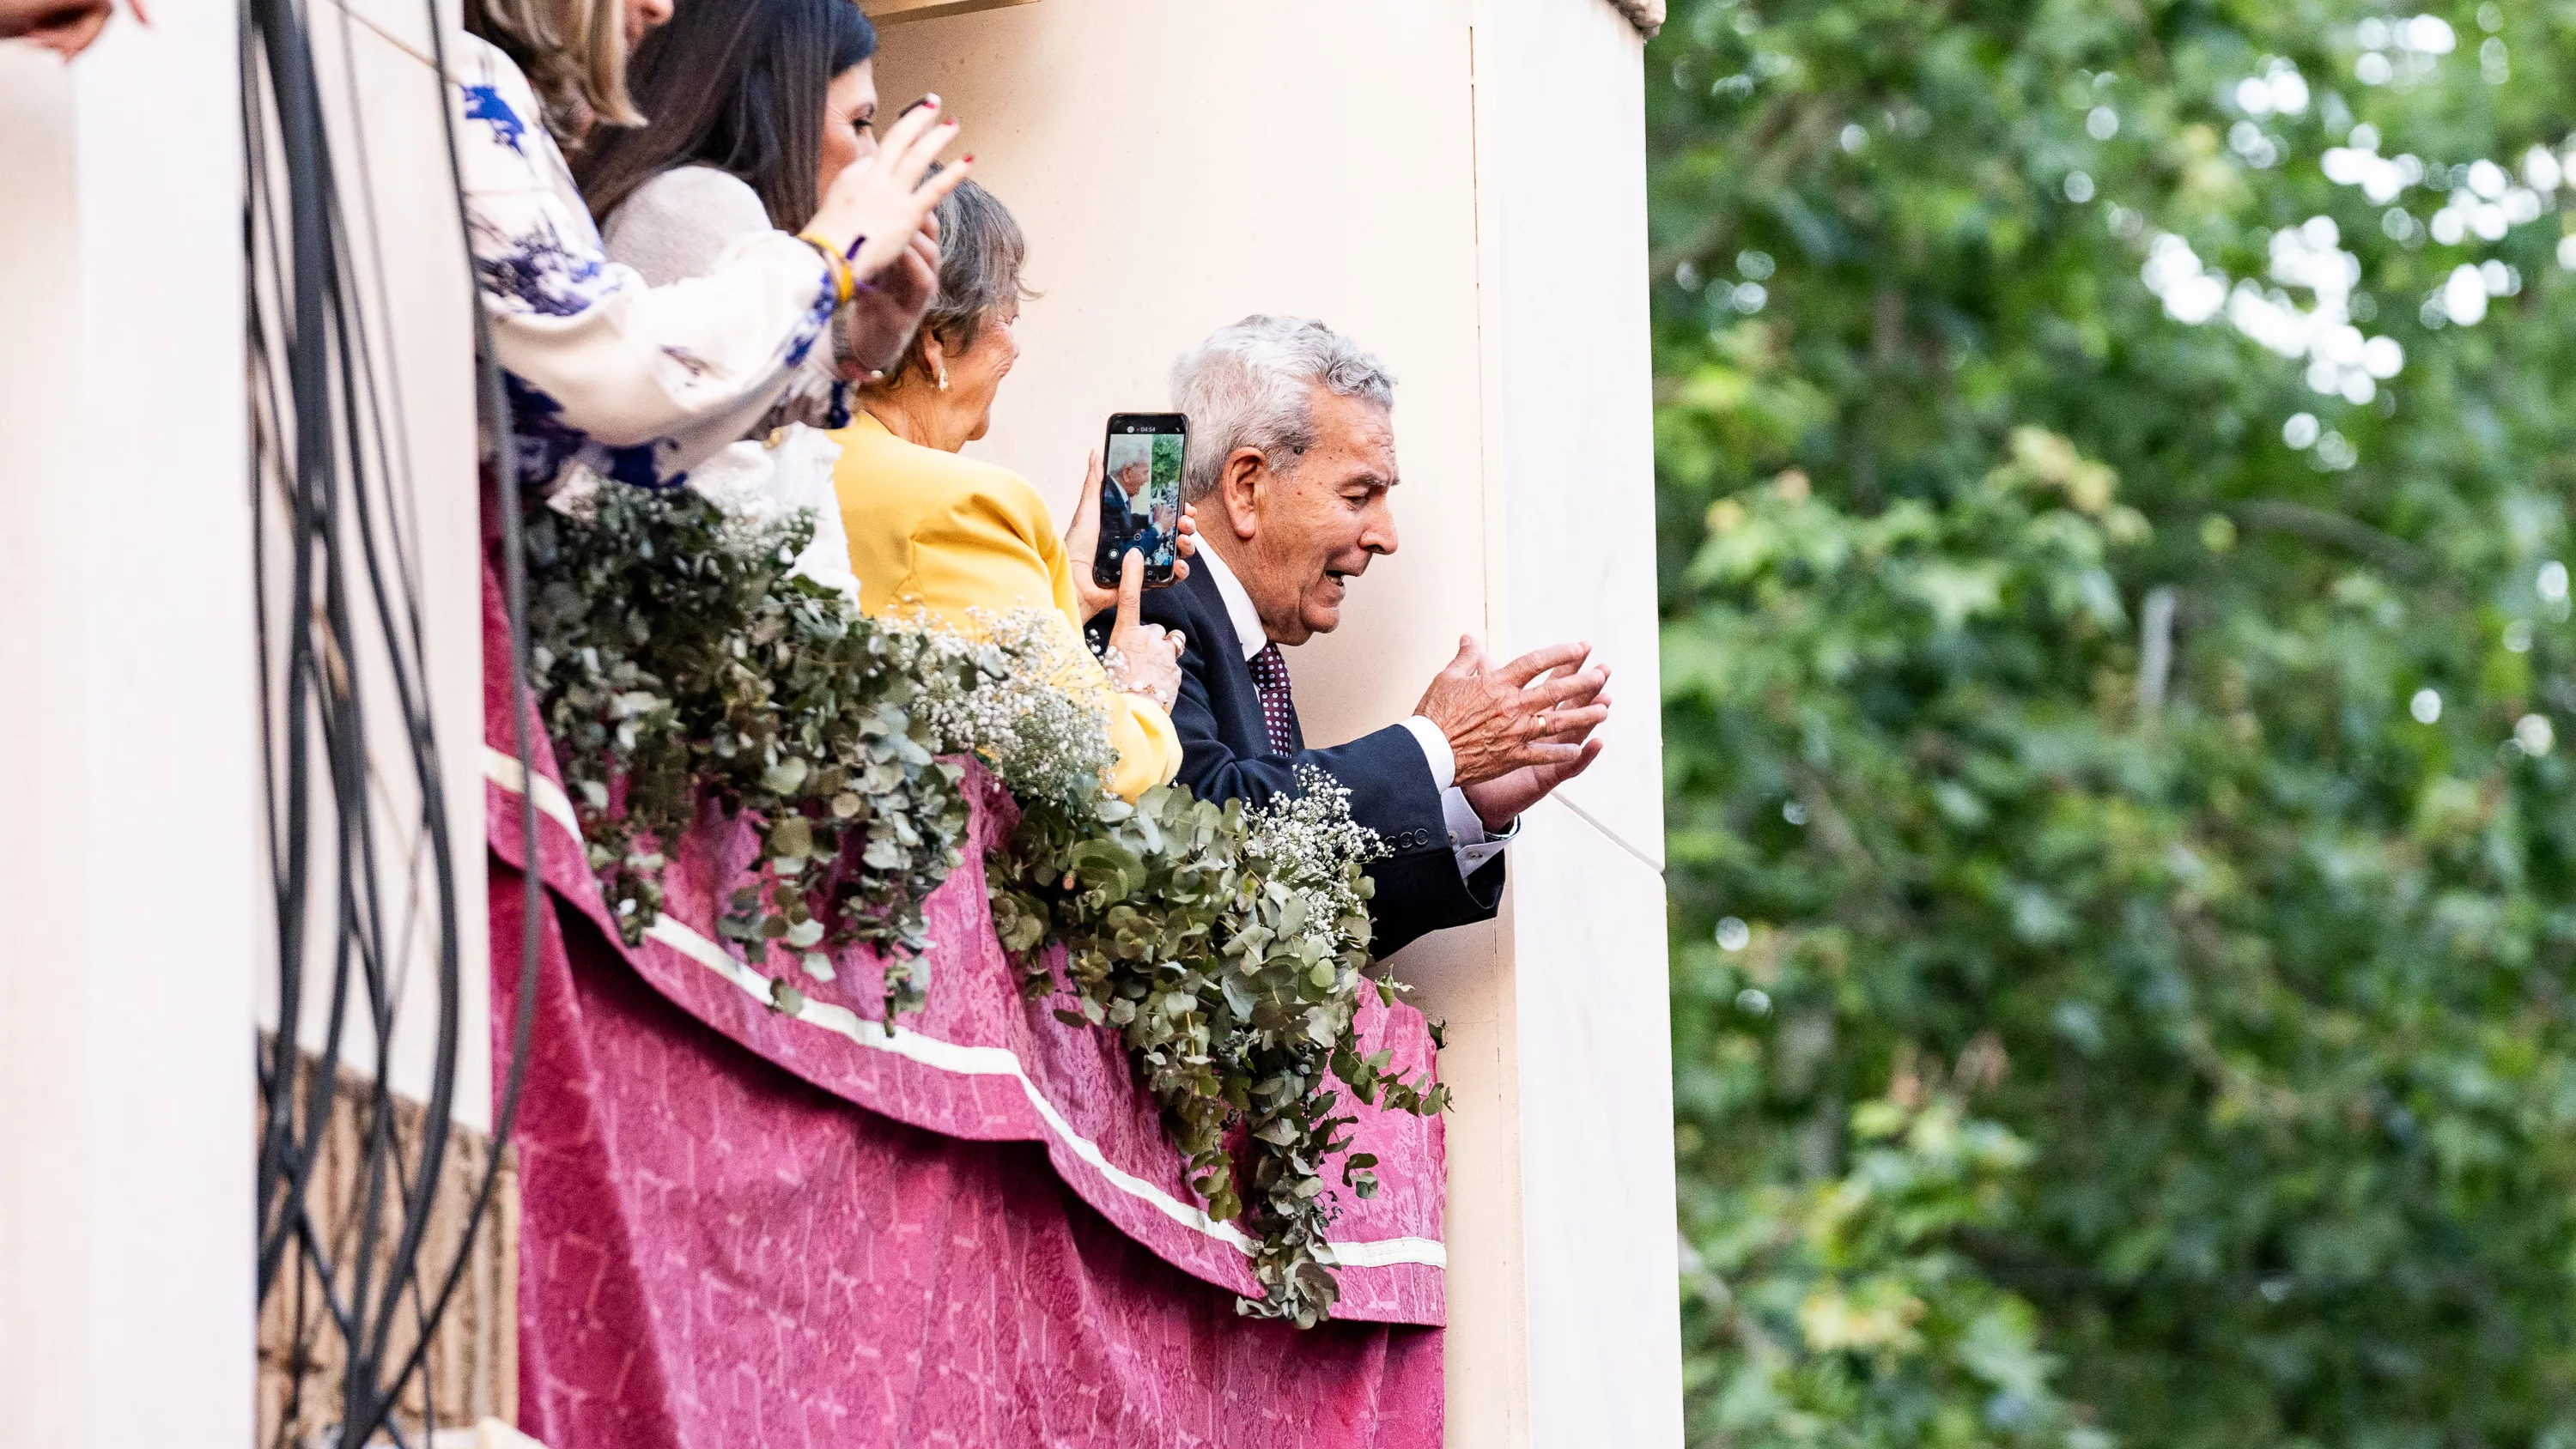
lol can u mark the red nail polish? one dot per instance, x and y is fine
(969, 161)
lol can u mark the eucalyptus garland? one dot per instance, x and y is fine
(1019, 692)
(1227, 947)
(679, 660)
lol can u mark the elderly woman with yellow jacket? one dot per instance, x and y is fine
(931, 531)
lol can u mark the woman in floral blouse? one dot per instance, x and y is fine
(638, 383)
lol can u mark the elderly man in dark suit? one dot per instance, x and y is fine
(1291, 460)
(1118, 502)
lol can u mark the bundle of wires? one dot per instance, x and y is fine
(341, 644)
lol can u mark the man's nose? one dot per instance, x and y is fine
(1377, 535)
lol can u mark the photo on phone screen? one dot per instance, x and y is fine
(1140, 495)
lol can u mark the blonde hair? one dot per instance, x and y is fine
(573, 52)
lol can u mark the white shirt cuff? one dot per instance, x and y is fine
(1468, 838)
(1435, 748)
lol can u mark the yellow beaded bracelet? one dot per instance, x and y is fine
(844, 284)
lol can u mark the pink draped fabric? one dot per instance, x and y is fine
(743, 1227)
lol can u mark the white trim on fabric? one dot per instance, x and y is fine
(503, 770)
(1388, 1253)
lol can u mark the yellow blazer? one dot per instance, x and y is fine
(945, 534)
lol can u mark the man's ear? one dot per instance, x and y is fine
(1241, 485)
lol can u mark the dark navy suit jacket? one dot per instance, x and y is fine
(1225, 755)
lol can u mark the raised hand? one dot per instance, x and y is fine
(876, 207)
(1502, 718)
(1082, 542)
(884, 313)
(1500, 800)
(1149, 655)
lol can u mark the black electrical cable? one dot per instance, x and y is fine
(334, 448)
(495, 412)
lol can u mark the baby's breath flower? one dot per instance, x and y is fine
(1009, 690)
(1309, 843)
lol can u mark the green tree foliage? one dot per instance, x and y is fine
(2120, 833)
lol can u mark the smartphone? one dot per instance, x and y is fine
(1140, 495)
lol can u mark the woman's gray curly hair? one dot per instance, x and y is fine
(1248, 386)
(981, 251)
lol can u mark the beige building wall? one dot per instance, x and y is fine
(382, 100)
(1460, 185)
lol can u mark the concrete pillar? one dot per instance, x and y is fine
(1561, 188)
(129, 879)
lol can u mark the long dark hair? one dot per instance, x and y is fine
(737, 85)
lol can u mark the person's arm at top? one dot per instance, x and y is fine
(679, 226)
(65, 27)
(627, 364)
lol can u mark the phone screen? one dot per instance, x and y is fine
(1140, 495)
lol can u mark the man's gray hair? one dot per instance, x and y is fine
(1249, 386)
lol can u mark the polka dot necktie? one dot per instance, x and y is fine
(1278, 710)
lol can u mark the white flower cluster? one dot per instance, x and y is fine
(1304, 840)
(1009, 692)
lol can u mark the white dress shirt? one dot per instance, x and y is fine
(1468, 838)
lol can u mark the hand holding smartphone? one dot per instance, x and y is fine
(1140, 495)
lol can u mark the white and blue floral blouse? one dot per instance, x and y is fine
(635, 383)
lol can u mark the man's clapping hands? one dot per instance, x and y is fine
(1517, 730)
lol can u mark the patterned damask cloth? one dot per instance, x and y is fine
(746, 1228)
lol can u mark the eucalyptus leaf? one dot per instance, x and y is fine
(1176, 918)
(680, 665)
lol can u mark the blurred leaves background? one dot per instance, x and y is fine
(2115, 651)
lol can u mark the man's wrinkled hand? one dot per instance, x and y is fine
(1502, 718)
(1500, 801)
